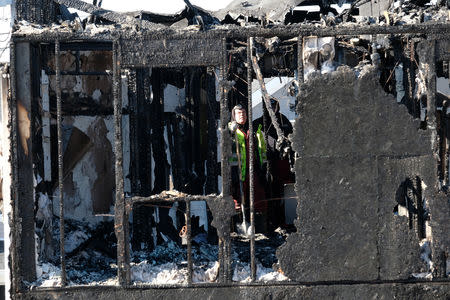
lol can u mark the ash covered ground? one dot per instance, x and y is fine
(92, 259)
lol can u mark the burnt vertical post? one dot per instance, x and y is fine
(427, 59)
(224, 118)
(60, 163)
(24, 197)
(211, 164)
(14, 147)
(300, 71)
(411, 77)
(251, 157)
(300, 67)
(431, 87)
(120, 216)
(225, 145)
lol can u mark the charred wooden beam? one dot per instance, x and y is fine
(182, 52)
(76, 73)
(86, 46)
(60, 164)
(120, 216)
(236, 32)
(430, 60)
(281, 138)
(14, 248)
(169, 197)
(211, 164)
(25, 177)
(251, 152)
(300, 71)
(225, 271)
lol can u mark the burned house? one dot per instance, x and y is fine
(116, 151)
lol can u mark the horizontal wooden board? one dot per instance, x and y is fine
(171, 53)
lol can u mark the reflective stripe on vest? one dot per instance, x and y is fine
(242, 149)
(262, 150)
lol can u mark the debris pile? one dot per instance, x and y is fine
(91, 259)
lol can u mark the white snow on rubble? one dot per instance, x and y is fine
(425, 255)
(170, 273)
(242, 273)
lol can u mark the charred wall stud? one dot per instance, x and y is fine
(251, 160)
(25, 176)
(121, 216)
(224, 252)
(15, 249)
(300, 72)
(212, 168)
(60, 163)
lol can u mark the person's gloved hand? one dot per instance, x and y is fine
(232, 126)
(237, 205)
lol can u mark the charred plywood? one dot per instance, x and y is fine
(171, 52)
(357, 147)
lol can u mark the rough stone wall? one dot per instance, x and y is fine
(356, 147)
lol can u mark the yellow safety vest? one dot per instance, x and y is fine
(243, 151)
(262, 149)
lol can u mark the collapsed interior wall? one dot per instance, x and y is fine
(87, 132)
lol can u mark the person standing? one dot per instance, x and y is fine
(277, 171)
(239, 129)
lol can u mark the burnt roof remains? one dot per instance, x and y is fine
(270, 10)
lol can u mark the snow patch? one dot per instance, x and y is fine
(242, 273)
(78, 88)
(96, 95)
(50, 275)
(425, 255)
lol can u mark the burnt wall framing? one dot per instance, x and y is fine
(173, 57)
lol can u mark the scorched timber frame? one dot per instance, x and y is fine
(169, 48)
